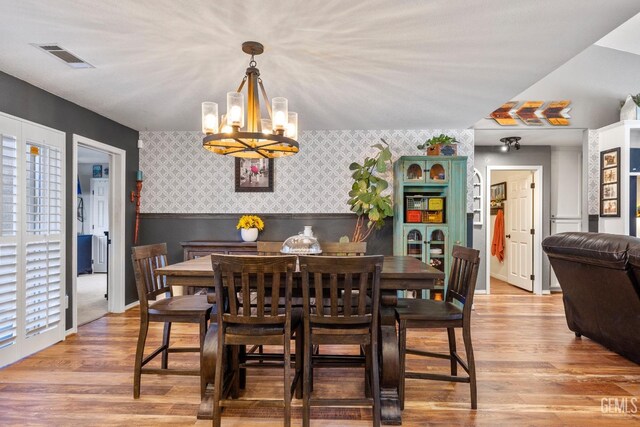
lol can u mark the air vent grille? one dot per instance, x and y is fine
(64, 55)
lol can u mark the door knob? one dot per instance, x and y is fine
(508, 236)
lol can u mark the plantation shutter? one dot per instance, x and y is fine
(8, 247)
(31, 238)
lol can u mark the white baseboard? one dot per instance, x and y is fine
(133, 304)
(480, 292)
(546, 292)
(556, 289)
(71, 331)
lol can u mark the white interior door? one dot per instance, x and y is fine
(518, 232)
(99, 222)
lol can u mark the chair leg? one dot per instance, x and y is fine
(203, 334)
(165, 343)
(466, 334)
(235, 368)
(306, 395)
(137, 372)
(218, 381)
(375, 382)
(367, 370)
(402, 355)
(242, 375)
(451, 332)
(287, 380)
(299, 361)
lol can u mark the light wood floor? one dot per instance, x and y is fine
(531, 371)
(500, 287)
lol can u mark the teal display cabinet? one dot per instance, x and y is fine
(430, 210)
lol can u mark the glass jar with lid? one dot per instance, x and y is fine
(301, 245)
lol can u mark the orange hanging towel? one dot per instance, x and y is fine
(497, 244)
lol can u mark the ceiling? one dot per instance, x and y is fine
(531, 137)
(378, 64)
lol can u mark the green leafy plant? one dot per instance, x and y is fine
(636, 99)
(440, 139)
(366, 198)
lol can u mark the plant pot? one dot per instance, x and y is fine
(442, 150)
(249, 234)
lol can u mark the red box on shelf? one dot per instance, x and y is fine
(414, 216)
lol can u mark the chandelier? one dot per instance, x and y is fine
(260, 138)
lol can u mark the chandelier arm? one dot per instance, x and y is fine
(266, 98)
(244, 79)
(239, 141)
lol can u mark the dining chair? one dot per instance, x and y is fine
(259, 322)
(347, 319)
(452, 312)
(170, 309)
(343, 248)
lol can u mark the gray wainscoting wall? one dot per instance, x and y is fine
(176, 228)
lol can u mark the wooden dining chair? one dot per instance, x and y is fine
(344, 248)
(268, 248)
(170, 309)
(348, 319)
(453, 312)
(259, 322)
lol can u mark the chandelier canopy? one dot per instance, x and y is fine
(260, 138)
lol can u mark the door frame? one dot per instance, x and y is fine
(117, 253)
(537, 223)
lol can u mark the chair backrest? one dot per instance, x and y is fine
(463, 275)
(346, 289)
(344, 248)
(146, 259)
(253, 286)
(269, 248)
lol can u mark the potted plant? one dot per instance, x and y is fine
(249, 226)
(366, 197)
(631, 108)
(441, 145)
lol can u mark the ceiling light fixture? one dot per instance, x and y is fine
(510, 141)
(260, 138)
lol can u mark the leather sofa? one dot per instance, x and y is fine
(600, 279)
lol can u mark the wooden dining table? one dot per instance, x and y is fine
(398, 273)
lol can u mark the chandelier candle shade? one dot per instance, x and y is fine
(241, 132)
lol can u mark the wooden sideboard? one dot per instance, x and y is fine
(197, 248)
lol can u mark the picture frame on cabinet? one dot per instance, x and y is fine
(610, 183)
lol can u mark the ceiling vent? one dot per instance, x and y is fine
(63, 55)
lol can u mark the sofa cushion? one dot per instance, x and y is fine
(605, 250)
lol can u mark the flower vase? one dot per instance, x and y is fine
(249, 234)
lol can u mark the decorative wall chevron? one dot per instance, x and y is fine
(532, 113)
(182, 177)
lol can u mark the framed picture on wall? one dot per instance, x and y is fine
(97, 171)
(610, 183)
(254, 175)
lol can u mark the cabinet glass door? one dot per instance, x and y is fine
(437, 171)
(413, 171)
(414, 239)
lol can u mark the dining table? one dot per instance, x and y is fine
(399, 273)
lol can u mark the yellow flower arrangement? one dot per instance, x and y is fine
(250, 221)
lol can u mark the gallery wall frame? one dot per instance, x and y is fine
(254, 175)
(610, 183)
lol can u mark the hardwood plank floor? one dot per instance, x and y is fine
(531, 371)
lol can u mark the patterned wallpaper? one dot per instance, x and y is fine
(182, 177)
(594, 173)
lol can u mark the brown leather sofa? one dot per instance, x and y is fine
(600, 275)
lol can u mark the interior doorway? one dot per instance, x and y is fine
(98, 246)
(514, 256)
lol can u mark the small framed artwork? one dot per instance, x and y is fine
(254, 175)
(97, 171)
(498, 196)
(610, 183)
